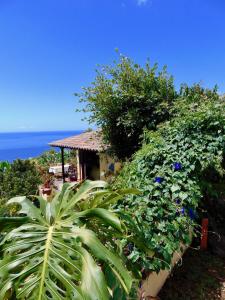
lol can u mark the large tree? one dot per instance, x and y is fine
(124, 99)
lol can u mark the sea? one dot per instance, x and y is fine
(26, 145)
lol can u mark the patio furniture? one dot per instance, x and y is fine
(58, 169)
(72, 174)
(46, 189)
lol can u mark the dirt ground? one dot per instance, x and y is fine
(201, 276)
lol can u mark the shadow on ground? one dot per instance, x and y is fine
(201, 276)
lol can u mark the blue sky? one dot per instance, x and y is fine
(49, 49)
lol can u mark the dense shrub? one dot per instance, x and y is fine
(21, 178)
(170, 171)
(126, 98)
(50, 157)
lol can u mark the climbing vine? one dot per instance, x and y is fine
(168, 171)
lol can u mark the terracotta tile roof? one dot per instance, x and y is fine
(91, 140)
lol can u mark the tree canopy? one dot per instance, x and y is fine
(124, 99)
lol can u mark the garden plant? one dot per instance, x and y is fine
(124, 99)
(21, 177)
(66, 249)
(171, 171)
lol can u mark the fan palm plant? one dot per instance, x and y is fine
(56, 251)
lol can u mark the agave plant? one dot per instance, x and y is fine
(56, 252)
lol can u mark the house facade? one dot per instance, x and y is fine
(92, 157)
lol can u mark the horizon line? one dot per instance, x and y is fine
(32, 131)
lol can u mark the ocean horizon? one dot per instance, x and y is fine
(24, 145)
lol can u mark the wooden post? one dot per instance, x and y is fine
(63, 168)
(204, 239)
(78, 165)
(82, 165)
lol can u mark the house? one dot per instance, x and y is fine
(93, 159)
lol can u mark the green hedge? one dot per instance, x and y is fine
(169, 171)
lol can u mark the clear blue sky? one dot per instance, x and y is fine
(50, 48)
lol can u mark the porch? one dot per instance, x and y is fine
(90, 160)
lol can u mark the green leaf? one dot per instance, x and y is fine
(93, 281)
(183, 195)
(50, 255)
(105, 215)
(175, 188)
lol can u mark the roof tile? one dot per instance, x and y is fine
(91, 140)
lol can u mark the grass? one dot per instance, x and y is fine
(201, 276)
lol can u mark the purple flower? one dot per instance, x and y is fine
(159, 179)
(178, 201)
(192, 214)
(182, 211)
(111, 167)
(177, 166)
(130, 246)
